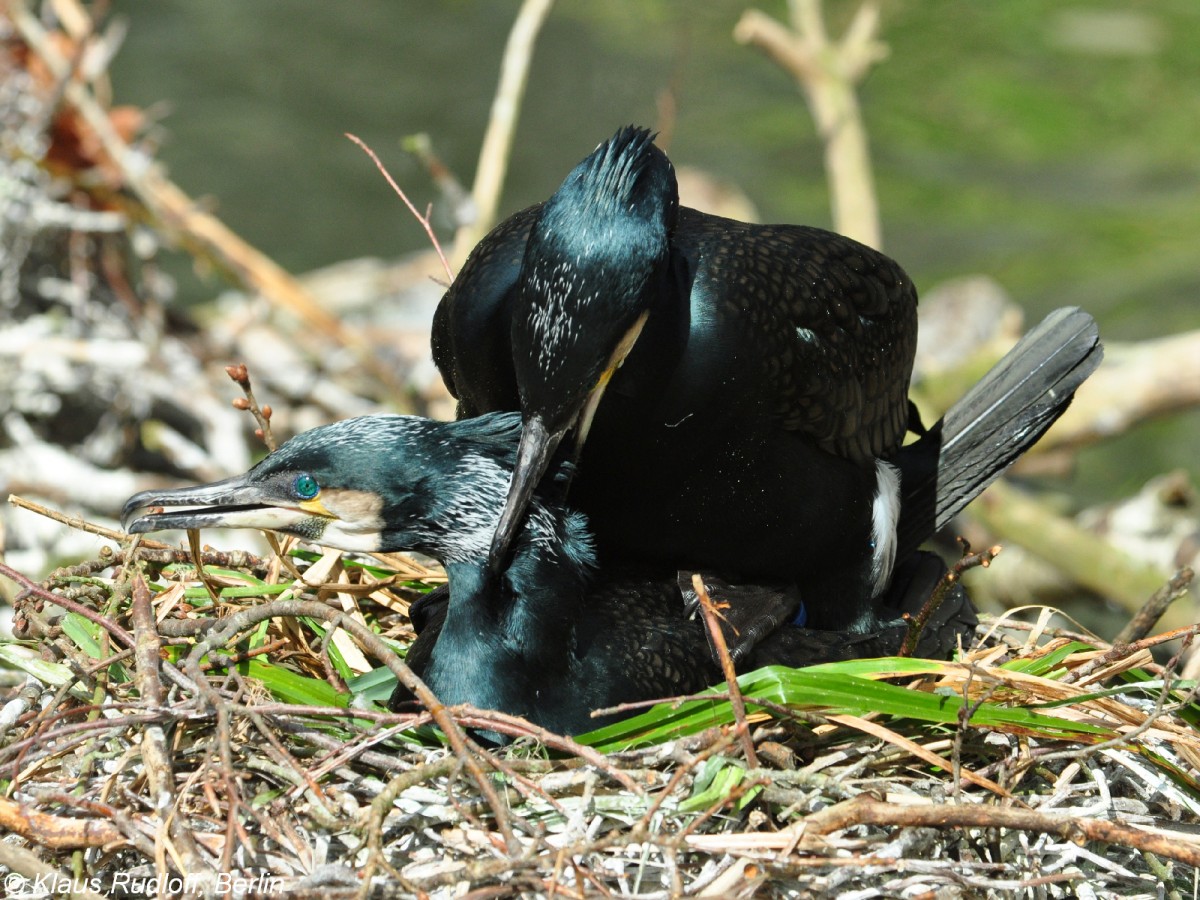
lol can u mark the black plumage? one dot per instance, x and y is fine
(551, 639)
(754, 378)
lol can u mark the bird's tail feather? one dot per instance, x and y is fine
(997, 420)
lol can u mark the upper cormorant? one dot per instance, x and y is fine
(754, 378)
(550, 638)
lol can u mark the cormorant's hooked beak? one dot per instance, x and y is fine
(534, 453)
(232, 503)
(539, 443)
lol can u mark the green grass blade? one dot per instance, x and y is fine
(291, 687)
(83, 633)
(824, 689)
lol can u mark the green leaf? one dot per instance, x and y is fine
(26, 660)
(291, 687)
(1049, 663)
(826, 689)
(239, 593)
(83, 632)
(376, 685)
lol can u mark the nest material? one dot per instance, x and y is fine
(159, 745)
(124, 743)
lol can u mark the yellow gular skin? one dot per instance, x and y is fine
(317, 507)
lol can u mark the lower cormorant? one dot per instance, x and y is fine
(551, 639)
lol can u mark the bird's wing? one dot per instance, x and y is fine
(635, 635)
(832, 325)
(471, 334)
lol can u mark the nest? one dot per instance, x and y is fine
(223, 727)
(209, 722)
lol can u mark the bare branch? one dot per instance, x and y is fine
(502, 123)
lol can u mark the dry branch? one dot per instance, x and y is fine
(827, 72)
(502, 123)
(709, 610)
(864, 810)
(57, 832)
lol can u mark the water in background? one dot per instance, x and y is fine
(1052, 149)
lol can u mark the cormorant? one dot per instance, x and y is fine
(754, 378)
(551, 638)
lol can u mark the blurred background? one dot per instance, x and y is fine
(1049, 146)
(1038, 151)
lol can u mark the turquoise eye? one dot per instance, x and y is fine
(306, 487)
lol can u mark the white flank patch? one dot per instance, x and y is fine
(885, 513)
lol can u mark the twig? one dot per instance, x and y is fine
(1120, 651)
(1147, 617)
(736, 700)
(262, 414)
(863, 810)
(29, 587)
(917, 623)
(57, 832)
(423, 219)
(502, 122)
(80, 524)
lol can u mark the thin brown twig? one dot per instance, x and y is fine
(864, 810)
(968, 561)
(31, 588)
(1147, 617)
(240, 375)
(736, 701)
(1123, 651)
(423, 219)
(79, 524)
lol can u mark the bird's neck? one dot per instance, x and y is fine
(508, 637)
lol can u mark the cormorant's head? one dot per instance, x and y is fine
(374, 483)
(593, 263)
